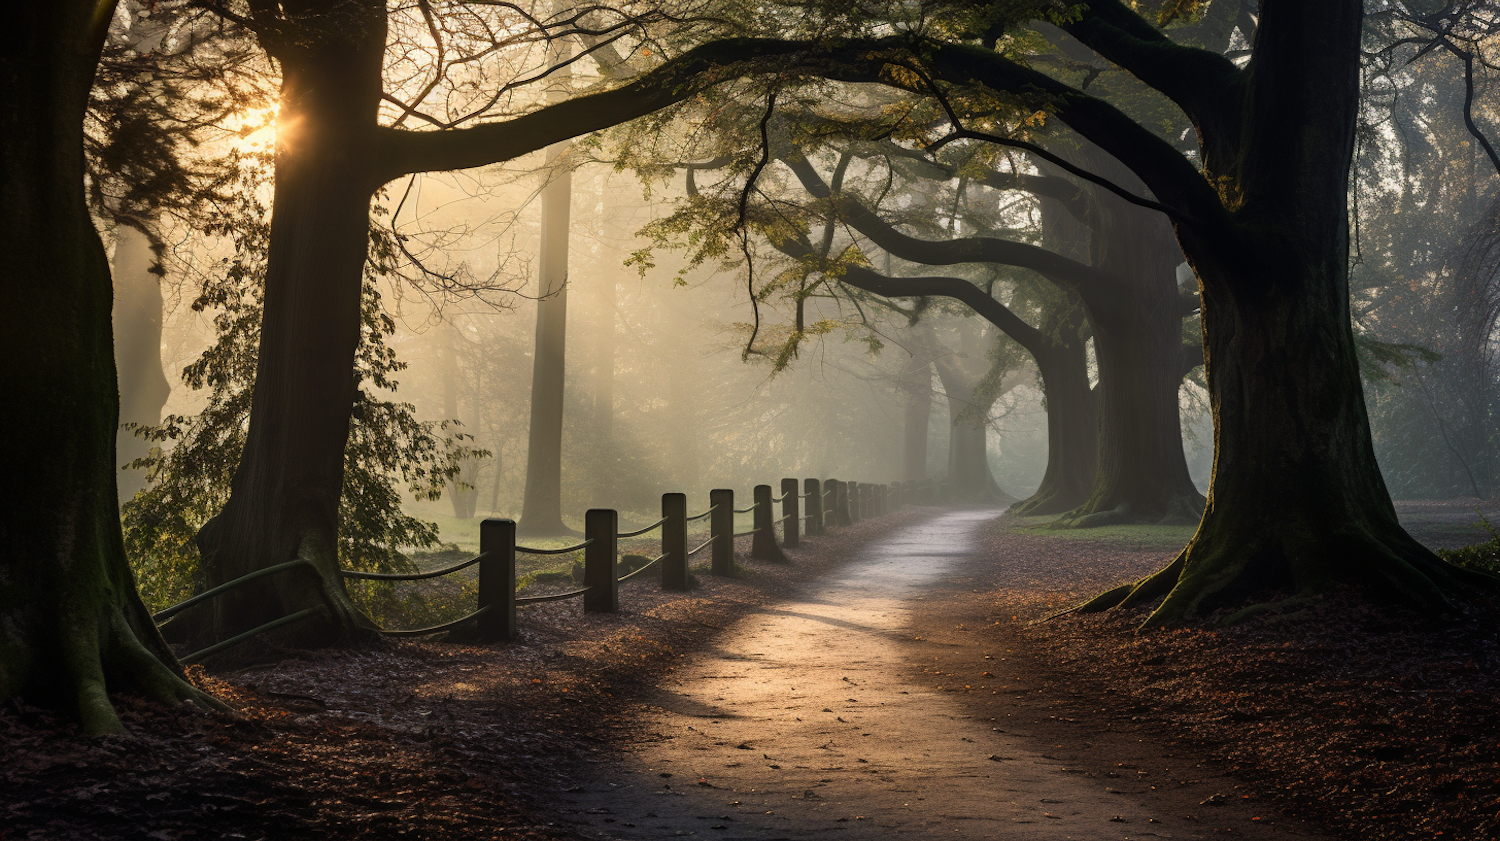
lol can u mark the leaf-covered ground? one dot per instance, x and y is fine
(420, 740)
(1376, 723)
(1373, 723)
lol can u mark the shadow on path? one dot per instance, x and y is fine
(817, 718)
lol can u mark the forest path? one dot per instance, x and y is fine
(826, 715)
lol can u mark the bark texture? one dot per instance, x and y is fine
(72, 627)
(1137, 322)
(1297, 503)
(284, 498)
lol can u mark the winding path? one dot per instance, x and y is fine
(812, 720)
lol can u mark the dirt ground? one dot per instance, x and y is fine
(1362, 723)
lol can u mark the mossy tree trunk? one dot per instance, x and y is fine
(72, 627)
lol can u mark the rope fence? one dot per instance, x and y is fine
(829, 503)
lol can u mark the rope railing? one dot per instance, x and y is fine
(168, 612)
(828, 504)
(639, 532)
(410, 576)
(555, 597)
(530, 550)
(239, 638)
(626, 577)
(435, 629)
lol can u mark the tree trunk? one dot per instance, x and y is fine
(916, 389)
(1137, 321)
(1072, 420)
(70, 618)
(541, 510)
(1297, 502)
(284, 499)
(463, 489)
(606, 470)
(137, 323)
(969, 475)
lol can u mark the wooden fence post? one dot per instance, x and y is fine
(841, 503)
(497, 579)
(721, 526)
(674, 567)
(814, 490)
(763, 543)
(791, 514)
(853, 501)
(600, 575)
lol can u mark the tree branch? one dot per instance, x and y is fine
(402, 152)
(1067, 273)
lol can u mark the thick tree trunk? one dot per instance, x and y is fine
(1297, 502)
(71, 624)
(1072, 406)
(1072, 431)
(285, 496)
(137, 323)
(1137, 321)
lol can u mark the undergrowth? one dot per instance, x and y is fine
(1484, 557)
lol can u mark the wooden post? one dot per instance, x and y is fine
(791, 514)
(852, 501)
(497, 579)
(840, 500)
(814, 490)
(721, 525)
(600, 574)
(674, 567)
(763, 544)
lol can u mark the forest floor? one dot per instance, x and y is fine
(1364, 722)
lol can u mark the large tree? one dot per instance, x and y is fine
(1297, 504)
(71, 624)
(334, 151)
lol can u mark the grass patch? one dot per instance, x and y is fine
(1144, 537)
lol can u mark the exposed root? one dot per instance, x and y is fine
(1146, 589)
(1277, 611)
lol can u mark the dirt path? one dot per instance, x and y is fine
(827, 716)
